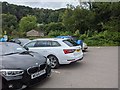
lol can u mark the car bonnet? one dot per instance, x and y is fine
(21, 61)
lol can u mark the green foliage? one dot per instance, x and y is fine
(68, 20)
(9, 23)
(54, 33)
(105, 38)
(66, 33)
(83, 37)
(27, 23)
(77, 33)
(78, 19)
(59, 33)
(98, 25)
(55, 26)
(112, 25)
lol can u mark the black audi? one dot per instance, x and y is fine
(20, 68)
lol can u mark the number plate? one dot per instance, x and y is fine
(78, 50)
(37, 74)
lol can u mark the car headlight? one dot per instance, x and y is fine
(11, 72)
(48, 61)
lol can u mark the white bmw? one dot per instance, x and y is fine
(59, 51)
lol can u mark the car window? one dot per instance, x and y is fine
(55, 44)
(43, 44)
(70, 43)
(31, 44)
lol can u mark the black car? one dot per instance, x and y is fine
(20, 41)
(20, 68)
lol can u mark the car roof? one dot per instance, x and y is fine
(56, 39)
(64, 36)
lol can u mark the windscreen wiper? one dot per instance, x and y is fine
(10, 53)
(26, 52)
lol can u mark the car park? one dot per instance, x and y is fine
(59, 51)
(20, 68)
(20, 41)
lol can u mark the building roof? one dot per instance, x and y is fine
(35, 33)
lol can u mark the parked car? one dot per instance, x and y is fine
(74, 38)
(59, 51)
(85, 47)
(20, 41)
(21, 68)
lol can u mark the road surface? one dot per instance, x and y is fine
(98, 69)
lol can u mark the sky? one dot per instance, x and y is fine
(47, 4)
(51, 4)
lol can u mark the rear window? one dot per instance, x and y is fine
(70, 43)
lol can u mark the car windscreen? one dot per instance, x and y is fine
(8, 48)
(70, 43)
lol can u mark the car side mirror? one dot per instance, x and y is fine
(26, 48)
(17, 41)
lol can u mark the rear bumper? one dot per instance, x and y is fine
(74, 60)
(71, 58)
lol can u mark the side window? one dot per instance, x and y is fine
(55, 44)
(43, 44)
(31, 44)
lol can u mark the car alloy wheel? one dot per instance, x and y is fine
(54, 61)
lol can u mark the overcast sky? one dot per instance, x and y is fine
(50, 4)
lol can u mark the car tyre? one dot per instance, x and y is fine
(54, 61)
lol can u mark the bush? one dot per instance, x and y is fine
(54, 33)
(83, 37)
(66, 33)
(103, 39)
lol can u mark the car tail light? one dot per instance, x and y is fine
(67, 51)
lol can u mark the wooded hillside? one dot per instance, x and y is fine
(98, 25)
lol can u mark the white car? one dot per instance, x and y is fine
(84, 46)
(59, 51)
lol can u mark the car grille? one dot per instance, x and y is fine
(42, 66)
(32, 70)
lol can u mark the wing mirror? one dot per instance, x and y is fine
(26, 48)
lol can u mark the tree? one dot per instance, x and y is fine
(55, 26)
(68, 19)
(78, 19)
(9, 23)
(77, 33)
(27, 23)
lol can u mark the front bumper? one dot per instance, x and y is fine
(24, 81)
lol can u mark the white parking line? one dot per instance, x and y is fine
(55, 71)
